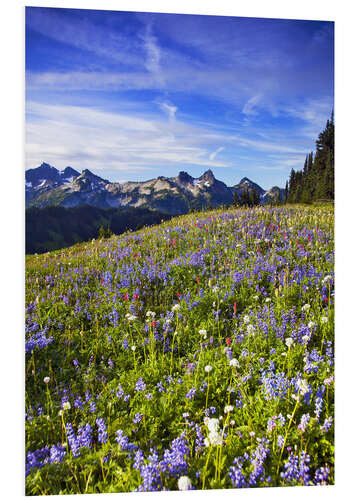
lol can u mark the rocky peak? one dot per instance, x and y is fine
(69, 172)
(208, 176)
(87, 178)
(184, 177)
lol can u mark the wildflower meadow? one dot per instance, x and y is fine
(196, 354)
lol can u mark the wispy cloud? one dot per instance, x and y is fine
(250, 106)
(88, 138)
(156, 91)
(213, 155)
(169, 109)
(153, 55)
(268, 146)
(80, 32)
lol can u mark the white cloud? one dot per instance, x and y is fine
(153, 56)
(169, 109)
(88, 138)
(268, 146)
(313, 112)
(85, 35)
(250, 105)
(213, 155)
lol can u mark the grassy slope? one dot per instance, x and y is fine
(225, 270)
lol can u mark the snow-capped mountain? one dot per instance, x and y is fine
(46, 186)
(45, 177)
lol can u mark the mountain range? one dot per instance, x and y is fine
(46, 186)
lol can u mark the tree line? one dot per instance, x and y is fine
(316, 181)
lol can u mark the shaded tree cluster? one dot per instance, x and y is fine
(52, 228)
(247, 198)
(317, 178)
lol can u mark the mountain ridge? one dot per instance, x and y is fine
(46, 186)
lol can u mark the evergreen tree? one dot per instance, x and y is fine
(316, 179)
(244, 198)
(236, 201)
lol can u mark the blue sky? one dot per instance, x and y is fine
(135, 95)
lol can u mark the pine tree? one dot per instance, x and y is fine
(317, 177)
(235, 199)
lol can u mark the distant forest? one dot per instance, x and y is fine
(53, 228)
(316, 181)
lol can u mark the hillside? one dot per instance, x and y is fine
(196, 354)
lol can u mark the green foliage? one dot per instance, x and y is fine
(316, 180)
(52, 228)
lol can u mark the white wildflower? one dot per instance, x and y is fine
(208, 368)
(184, 483)
(324, 319)
(289, 342)
(267, 300)
(203, 333)
(176, 307)
(250, 330)
(329, 380)
(66, 405)
(152, 314)
(228, 408)
(215, 438)
(246, 319)
(311, 324)
(133, 347)
(305, 307)
(46, 380)
(256, 297)
(303, 386)
(212, 424)
(234, 362)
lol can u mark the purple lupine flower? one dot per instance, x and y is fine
(280, 441)
(72, 440)
(121, 439)
(236, 473)
(120, 392)
(160, 387)
(303, 422)
(138, 459)
(102, 430)
(296, 469)
(85, 436)
(327, 424)
(138, 418)
(321, 475)
(191, 393)
(140, 385)
(92, 406)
